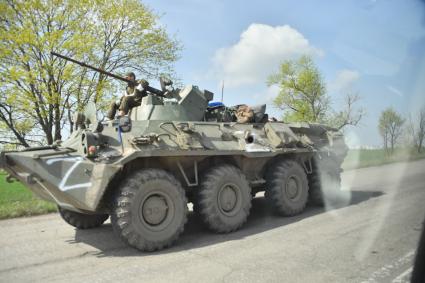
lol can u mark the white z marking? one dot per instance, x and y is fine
(62, 185)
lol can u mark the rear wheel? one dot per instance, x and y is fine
(325, 181)
(150, 210)
(287, 188)
(223, 200)
(81, 220)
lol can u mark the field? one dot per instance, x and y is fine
(358, 158)
(16, 200)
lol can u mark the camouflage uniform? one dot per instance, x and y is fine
(132, 98)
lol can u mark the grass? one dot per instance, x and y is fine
(16, 200)
(358, 158)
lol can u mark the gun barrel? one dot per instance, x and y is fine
(149, 88)
(90, 67)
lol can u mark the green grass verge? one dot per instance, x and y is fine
(358, 158)
(16, 200)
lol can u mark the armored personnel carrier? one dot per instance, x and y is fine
(141, 170)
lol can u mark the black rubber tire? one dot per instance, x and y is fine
(280, 179)
(81, 220)
(150, 210)
(315, 195)
(229, 184)
(325, 181)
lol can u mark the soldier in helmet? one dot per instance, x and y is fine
(132, 97)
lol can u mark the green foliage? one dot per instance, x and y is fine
(302, 96)
(16, 200)
(302, 91)
(41, 90)
(390, 127)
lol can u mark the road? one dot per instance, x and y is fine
(370, 238)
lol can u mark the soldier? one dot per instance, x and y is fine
(132, 97)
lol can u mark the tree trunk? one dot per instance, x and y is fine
(392, 144)
(57, 122)
(49, 136)
(71, 123)
(386, 142)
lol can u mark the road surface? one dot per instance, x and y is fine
(370, 238)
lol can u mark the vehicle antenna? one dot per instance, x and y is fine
(222, 90)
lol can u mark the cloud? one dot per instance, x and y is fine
(344, 80)
(258, 53)
(394, 90)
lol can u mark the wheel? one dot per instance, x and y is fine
(325, 181)
(315, 195)
(223, 200)
(287, 188)
(150, 210)
(81, 220)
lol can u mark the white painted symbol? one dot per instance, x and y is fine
(62, 185)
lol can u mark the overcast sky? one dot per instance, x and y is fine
(374, 47)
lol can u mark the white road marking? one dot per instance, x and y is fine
(404, 277)
(386, 270)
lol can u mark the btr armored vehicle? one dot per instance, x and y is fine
(141, 170)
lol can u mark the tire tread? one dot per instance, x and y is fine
(204, 204)
(273, 192)
(121, 218)
(82, 221)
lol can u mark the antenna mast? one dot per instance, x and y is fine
(222, 90)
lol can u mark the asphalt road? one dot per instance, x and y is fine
(370, 238)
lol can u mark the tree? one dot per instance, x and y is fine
(349, 115)
(303, 97)
(417, 129)
(390, 127)
(302, 91)
(39, 92)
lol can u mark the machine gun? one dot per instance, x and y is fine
(82, 64)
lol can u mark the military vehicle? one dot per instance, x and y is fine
(177, 147)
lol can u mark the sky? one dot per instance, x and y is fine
(373, 47)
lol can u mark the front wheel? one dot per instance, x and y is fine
(150, 210)
(81, 220)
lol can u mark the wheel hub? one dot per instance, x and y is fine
(154, 210)
(227, 198)
(292, 188)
